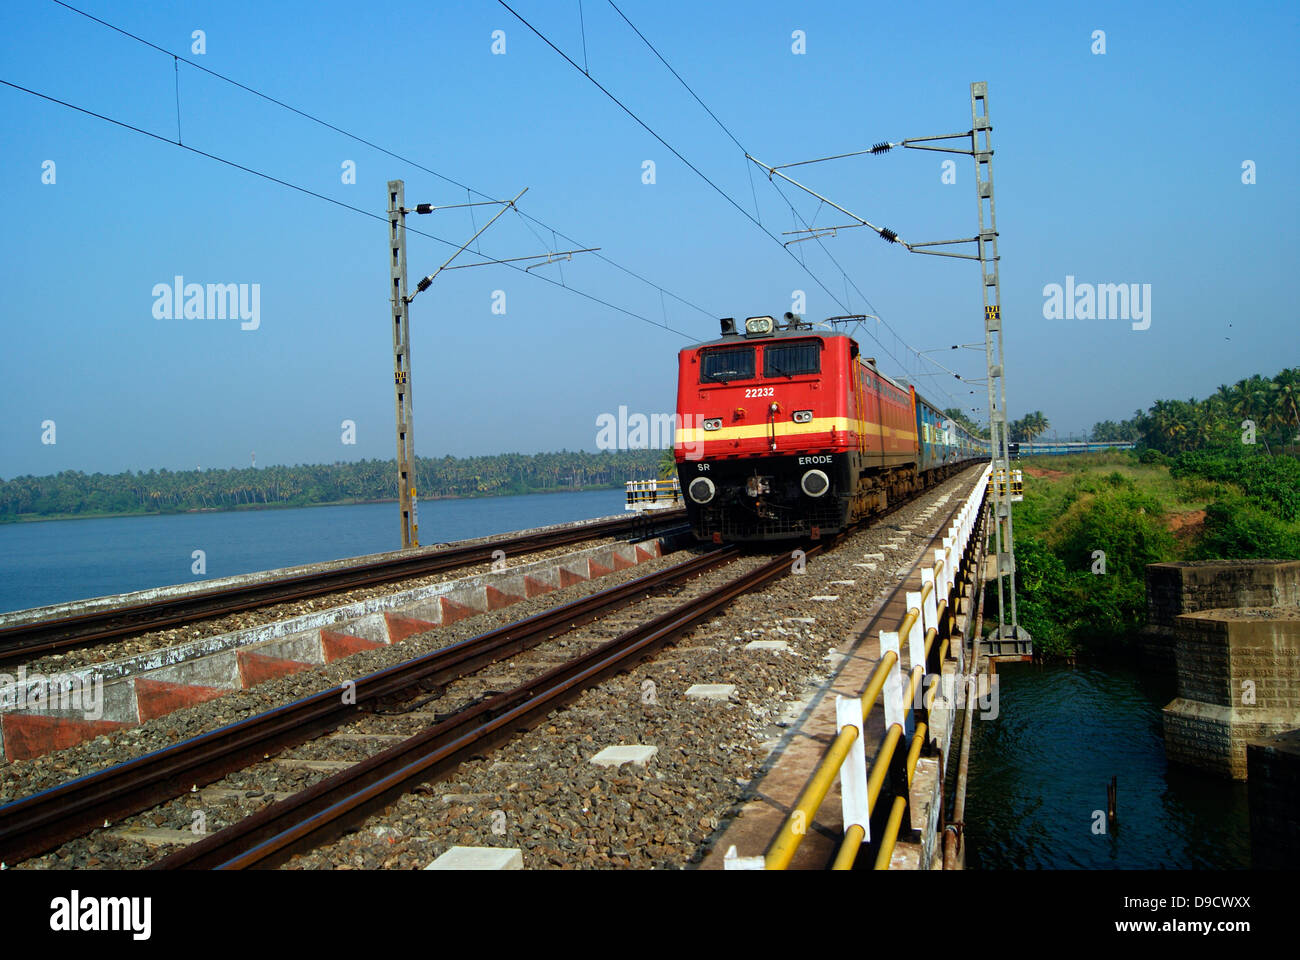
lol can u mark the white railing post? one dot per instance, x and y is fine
(916, 635)
(931, 609)
(853, 772)
(895, 710)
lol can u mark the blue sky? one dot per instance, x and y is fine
(1124, 167)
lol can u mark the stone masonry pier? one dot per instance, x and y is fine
(1238, 679)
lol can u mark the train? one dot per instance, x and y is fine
(785, 430)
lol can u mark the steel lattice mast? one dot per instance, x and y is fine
(1010, 638)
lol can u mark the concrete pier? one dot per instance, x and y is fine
(1238, 679)
(1174, 589)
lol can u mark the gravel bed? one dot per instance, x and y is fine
(159, 639)
(541, 794)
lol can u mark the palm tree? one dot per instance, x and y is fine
(667, 464)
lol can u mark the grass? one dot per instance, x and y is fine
(1048, 497)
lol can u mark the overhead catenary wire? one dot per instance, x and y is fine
(177, 59)
(470, 190)
(876, 149)
(328, 199)
(668, 146)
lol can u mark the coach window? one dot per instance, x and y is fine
(722, 366)
(792, 359)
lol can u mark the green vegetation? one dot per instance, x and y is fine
(1101, 512)
(72, 493)
(1268, 408)
(1210, 479)
(1108, 431)
(1139, 508)
(667, 464)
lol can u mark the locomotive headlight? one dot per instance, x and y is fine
(714, 423)
(759, 325)
(802, 416)
(815, 483)
(701, 489)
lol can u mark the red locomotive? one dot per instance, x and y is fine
(786, 431)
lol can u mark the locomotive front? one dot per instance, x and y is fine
(764, 439)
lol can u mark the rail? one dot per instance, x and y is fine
(327, 809)
(929, 620)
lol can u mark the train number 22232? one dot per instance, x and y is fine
(759, 392)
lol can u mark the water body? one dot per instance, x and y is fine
(55, 561)
(1039, 771)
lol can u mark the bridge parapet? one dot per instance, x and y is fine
(900, 793)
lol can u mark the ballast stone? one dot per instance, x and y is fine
(635, 753)
(479, 858)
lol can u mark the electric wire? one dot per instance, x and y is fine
(328, 199)
(374, 146)
(734, 139)
(670, 148)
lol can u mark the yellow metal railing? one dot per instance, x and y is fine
(781, 851)
(895, 823)
(644, 493)
(1017, 484)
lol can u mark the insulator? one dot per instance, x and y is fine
(889, 236)
(883, 146)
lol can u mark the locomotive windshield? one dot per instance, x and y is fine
(792, 359)
(729, 363)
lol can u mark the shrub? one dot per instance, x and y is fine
(1124, 523)
(1271, 483)
(1238, 528)
(1040, 591)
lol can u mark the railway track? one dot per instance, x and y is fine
(328, 809)
(27, 639)
(38, 823)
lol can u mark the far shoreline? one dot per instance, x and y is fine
(245, 508)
